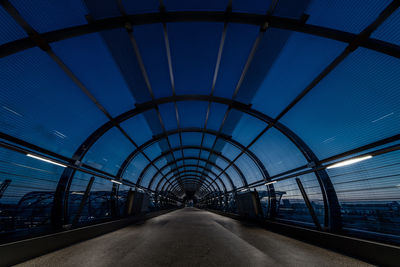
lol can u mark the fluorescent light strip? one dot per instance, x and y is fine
(115, 182)
(272, 182)
(46, 160)
(348, 162)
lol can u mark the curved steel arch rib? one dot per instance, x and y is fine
(297, 25)
(203, 167)
(328, 192)
(219, 155)
(194, 182)
(193, 177)
(188, 158)
(187, 171)
(160, 137)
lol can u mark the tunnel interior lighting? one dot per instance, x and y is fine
(46, 160)
(115, 182)
(349, 162)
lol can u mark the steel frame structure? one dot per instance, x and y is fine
(332, 209)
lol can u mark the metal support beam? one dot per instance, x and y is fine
(308, 204)
(296, 25)
(83, 201)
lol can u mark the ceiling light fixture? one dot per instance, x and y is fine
(348, 162)
(46, 160)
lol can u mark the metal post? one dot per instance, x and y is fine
(308, 203)
(83, 201)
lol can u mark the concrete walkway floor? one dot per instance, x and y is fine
(192, 237)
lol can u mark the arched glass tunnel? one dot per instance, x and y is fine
(105, 104)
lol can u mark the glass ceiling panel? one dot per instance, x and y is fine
(302, 58)
(168, 116)
(139, 6)
(251, 6)
(9, 29)
(345, 15)
(247, 129)
(194, 49)
(215, 116)
(191, 161)
(237, 181)
(155, 182)
(44, 15)
(202, 163)
(389, 31)
(89, 59)
(136, 166)
(153, 151)
(208, 140)
(174, 140)
(161, 162)
(138, 129)
(151, 171)
(178, 154)
(191, 139)
(290, 9)
(109, 151)
(40, 104)
(204, 154)
(191, 152)
(229, 150)
(150, 39)
(249, 169)
(221, 163)
(192, 113)
(205, 5)
(238, 43)
(357, 103)
(122, 50)
(102, 9)
(153, 121)
(277, 152)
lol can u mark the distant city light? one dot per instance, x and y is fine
(115, 182)
(349, 162)
(272, 182)
(46, 160)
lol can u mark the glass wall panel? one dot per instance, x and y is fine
(369, 194)
(356, 104)
(91, 62)
(40, 104)
(136, 166)
(98, 204)
(277, 152)
(27, 191)
(249, 169)
(345, 15)
(247, 129)
(302, 58)
(109, 152)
